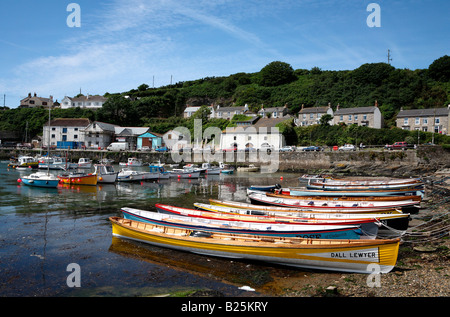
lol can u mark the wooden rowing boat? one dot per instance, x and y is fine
(343, 202)
(356, 256)
(287, 192)
(355, 192)
(296, 209)
(176, 217)
(398, 221)
(263, 199)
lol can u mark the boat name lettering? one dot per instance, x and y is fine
(353, 255)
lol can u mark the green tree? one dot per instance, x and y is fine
(440, 69)
(325, 119)
(275, 74)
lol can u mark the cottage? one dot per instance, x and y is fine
(35, 101)
(68, 131)
(311, 115)
(228, 112)
(98, 134)
(273, 112)
(364, 116)
(88, 101)
(428, 120)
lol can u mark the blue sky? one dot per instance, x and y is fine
(124, 43)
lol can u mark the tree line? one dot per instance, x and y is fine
(275, 85)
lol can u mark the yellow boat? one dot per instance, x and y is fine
(78, 179)
(356, 256)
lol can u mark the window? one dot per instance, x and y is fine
(75, 136)
(417, 121)
(356, 117)
(425, 121)
(349, 117)
(249, 138)
(311, 116)
(341, 118)
(64, 130)
(437, 121)
(405, 121)
(364, 117)
(53, 136)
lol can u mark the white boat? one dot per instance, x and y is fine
(226, 169)
(250, 168)
(40, 179)
(132, 161)
(211, 170)
(158, 168)
(25, 162)
(56, 163)
(184, 173)
(84, 162)
(105, 173)
(129, 175)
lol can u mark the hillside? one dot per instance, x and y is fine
(276, 84)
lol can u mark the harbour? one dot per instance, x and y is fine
(46, 229)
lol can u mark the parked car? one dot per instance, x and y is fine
(162, 149)
(144, 148)
(230, 149)
(397, 146)
(312, 148)
(266, 147)
(347, 147)
(287, 149)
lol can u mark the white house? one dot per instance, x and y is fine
(98, 134)
(65, 130)
(89, 102)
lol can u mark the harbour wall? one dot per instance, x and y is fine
(414, 162)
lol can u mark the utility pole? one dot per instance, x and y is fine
(389, 57)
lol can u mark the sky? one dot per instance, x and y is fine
(121, 44)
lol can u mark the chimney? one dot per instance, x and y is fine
(29, 94)
(337, 107)
(376, 103)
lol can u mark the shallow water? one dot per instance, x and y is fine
(42, 231)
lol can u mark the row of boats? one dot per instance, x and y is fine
(337, 233)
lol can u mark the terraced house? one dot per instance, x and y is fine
(363, 116)
(428, 120)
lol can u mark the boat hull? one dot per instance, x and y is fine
(335, 255)
(234, 227)
(45, 183)
(89, 180)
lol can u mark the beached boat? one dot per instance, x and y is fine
(78, 179)
(130, 175)
(40, 179)
(374, 192)
(356, 206)
(297, 209)
(105, 173)
(211, 170)
(132, 161)
(337, 255)
(84, 162)
(397, 221)
(383, 182)
(287, 192)
(238, 224)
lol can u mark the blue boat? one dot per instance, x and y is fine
(240, 227)
(40, 179)
(264, 188)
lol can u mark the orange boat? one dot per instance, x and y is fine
(78, 179)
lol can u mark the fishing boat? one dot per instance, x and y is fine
(193, 219)
(105, 173)
(245, 205)
(40, 179)
(211, 170)
(381, 183)
(337, 255)
(397, 221)
(349, 206)
(132, 161)
(184, 173)
(159, 169)
(84, 163)
(24, 162)
(130, 175)
(78, 179)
